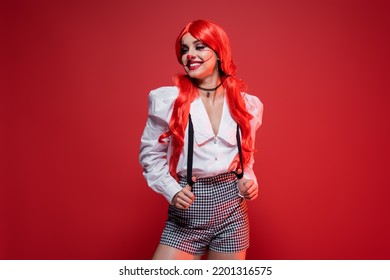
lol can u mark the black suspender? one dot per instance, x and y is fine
(191, 149)
(239, 176)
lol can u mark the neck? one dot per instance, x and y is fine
(208, 82)
(209, 86)
(211, 93)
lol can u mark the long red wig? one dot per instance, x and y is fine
(215, 38)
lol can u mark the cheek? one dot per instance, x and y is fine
(208, 55)
(183, 59)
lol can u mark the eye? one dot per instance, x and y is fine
(183, 50)
(200, 47)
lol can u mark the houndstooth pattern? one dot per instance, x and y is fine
(217, 219)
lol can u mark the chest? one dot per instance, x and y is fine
(214, 111)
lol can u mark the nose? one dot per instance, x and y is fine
(190, 56)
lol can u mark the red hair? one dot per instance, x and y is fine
(215, 38)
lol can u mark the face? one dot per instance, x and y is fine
(199, 61)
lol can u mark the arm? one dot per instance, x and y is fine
(154, 155)
(248, 185)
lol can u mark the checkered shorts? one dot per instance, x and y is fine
(217, 219)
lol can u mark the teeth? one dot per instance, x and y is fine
(195, 64)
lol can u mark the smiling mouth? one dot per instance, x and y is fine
(193, 65)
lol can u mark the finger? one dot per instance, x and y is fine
(252, 195)
(193, 179)
(251, 187)
(182, 203)
(239, 171)
(248, 183)
(187, 196)
(188, 193)
(179, 206)
(176, 202)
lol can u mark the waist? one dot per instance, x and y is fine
(222, 177)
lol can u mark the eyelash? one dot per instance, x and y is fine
(198, 48)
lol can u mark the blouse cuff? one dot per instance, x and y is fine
(171, 190)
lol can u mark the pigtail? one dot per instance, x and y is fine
(179, 120)
(240, 114)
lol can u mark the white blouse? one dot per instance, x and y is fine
(212, 155)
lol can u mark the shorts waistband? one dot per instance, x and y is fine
(229, 176)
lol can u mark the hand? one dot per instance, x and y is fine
(248, 189)
(184, 198)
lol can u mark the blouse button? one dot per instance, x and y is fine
(216, 158)
(215, 140)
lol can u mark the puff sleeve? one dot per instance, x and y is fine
(255, 108)
(153, 155)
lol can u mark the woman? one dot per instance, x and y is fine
(197, 150)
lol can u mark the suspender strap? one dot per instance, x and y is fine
(239, 176)
(190, 151)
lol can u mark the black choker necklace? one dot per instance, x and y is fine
(208, 90)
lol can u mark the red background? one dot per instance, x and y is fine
(75, 76)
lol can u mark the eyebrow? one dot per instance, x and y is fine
(194, 42)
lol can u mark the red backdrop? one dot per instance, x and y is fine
(75, 76)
